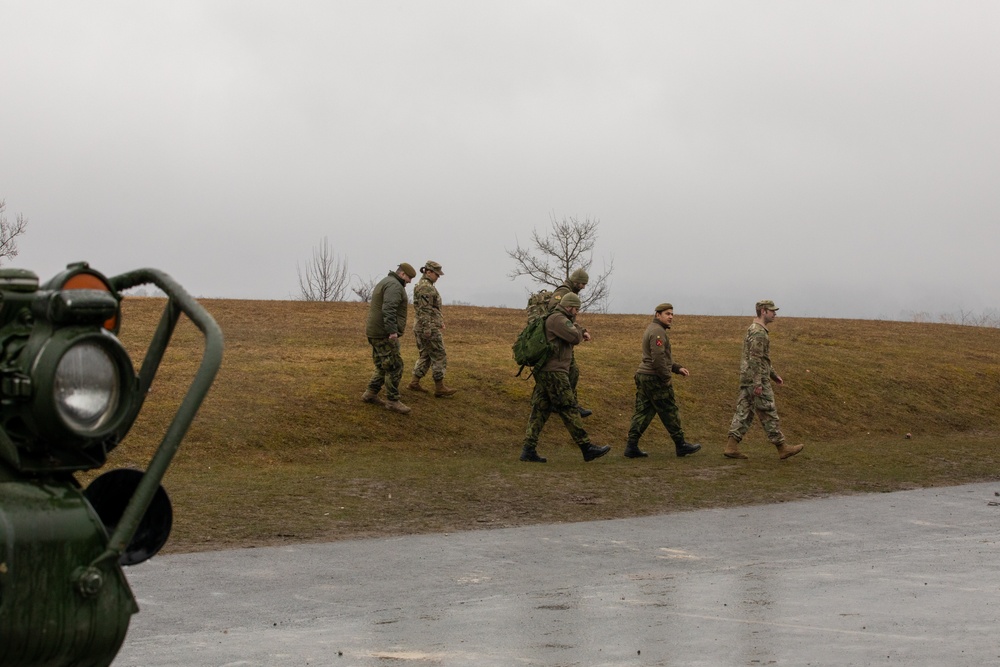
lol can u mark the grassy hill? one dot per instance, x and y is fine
(284, 451)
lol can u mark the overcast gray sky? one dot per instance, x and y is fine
(838, 157)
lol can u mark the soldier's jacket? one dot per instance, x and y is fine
(565, 333)
(427, 307)
(387, 310)
(558, 294)
(755, 366)
(657, 358)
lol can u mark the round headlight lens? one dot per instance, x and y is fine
(87, 386)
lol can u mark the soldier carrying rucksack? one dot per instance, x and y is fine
(575, 284)
(553, 393)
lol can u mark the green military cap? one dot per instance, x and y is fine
(664, 306)
(407, 269)
(579, 276)
(432, 266)
(766, 303)
(570, 301)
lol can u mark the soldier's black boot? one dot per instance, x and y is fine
(591, 452)
(632, 451)
(529, 454)
(686, 448)
(584, 412)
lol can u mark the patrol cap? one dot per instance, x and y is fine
(570, 301)
(766, 303)
(432, 266)
(407, 269)
(579, 276)
(664, 306)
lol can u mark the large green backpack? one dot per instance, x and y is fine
(532, 347)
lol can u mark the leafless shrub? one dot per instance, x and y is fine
(363, 288)
(9, 231)
(988, 318)
(325, 277)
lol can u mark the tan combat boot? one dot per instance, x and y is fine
(732, 450)
(371, 397)
(415, 385)
(787, 451)
(441, 389)
(397, 406)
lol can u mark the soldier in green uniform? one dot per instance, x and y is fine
(573, 285)
(427, 330)
(386, 323)
(756, 395)
(654, 391)
(553, 393)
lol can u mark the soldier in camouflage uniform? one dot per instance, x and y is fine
(427, 331)
(573, 285)
(756, 395)
(654, 391)
(386, 323)
(553, 392)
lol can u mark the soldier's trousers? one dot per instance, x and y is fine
(748, 405)
(388, 367)
(553, 394)
(430, 347)
(574, 378)
(655, 396)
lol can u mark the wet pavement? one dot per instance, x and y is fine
(907, 578)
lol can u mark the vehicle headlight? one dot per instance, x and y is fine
(68, 390)
(82, 389)
(86, 387)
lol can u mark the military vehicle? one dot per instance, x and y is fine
(68, 395)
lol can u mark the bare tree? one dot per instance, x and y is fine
(325, 277)
(9, 231)
(569, 245)
(364, 288)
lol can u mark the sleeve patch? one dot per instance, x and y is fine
(659, 342)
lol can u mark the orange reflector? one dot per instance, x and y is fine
(90, 281)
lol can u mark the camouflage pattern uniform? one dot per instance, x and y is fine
(538, 305)
(654, 390)
(756, 371)
(427, 330)
(553, 393)
(387, 315)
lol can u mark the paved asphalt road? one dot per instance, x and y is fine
(907, 578)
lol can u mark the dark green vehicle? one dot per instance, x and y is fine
(68, 395)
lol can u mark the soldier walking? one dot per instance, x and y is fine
(386, 323)
(553, 392)
(654, 391)
(756, 395)
(427, 330)
(575, 284)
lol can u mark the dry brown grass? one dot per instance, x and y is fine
(283, 450)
